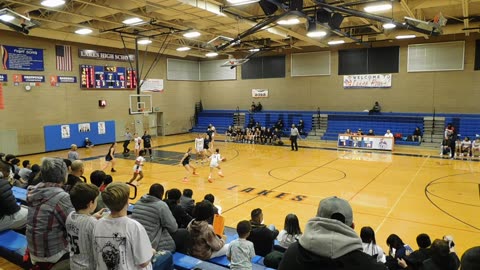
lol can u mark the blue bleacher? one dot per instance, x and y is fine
(13, 246)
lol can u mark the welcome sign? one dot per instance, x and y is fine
(21, 58)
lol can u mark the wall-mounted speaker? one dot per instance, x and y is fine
(267, 7)
(335, 21)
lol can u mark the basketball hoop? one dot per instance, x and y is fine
(145, 113)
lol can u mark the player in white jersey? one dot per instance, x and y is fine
(137, 168)
(199, 147)
(80, 225)
(215, 160)
(138, 143)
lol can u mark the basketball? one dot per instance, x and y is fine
(224, 159)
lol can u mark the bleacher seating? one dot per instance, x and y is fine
(404, 125)
(13, 246)
(221, 119)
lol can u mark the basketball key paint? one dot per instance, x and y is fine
(269, 193)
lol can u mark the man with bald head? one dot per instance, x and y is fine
(75, 176)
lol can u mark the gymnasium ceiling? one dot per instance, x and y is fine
(167, 21)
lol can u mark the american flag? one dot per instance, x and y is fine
(63, 55)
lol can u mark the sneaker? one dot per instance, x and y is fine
(185, 179)
(210, 180)
(195, 173)
(221, 175)
(113, 170)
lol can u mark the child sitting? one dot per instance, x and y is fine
(88, 143)
(241, 252)
(120, 242)
(80, 225)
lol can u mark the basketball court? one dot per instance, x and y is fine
(407, 192)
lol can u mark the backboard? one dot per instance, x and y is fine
(140, 104)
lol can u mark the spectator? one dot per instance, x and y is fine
(73, 154)
(75, 176)
(388, 134)
(301, 127)
(291, 231)
(241, 252)
(206, 244)
(253, 107)
(211, 199)
(98, 178)
(80, 224)
(416, 259)
(107, 181)
(34, 175)
(12, 216)
(417, 135)
(370, 246)
(371, 132)
(261, 236)
(259, 107)
(88, 143)
(17, 180)
(120, 242)
(329, 241)
(186, 201)
(279, 124)
(471, 259)
(442, 258)
(375, 109)
(48, 208)
(397, 252)
(359, 132)
(157, 219)
(26, 171)
(173, 202)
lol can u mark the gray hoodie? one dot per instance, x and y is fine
(158, 221)
(329, 238)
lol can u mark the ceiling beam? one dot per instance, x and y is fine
(466, 22)
(407, 9)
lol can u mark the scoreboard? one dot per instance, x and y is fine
(107, 77)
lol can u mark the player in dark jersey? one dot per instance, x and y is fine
(147, 143)
(186, 164)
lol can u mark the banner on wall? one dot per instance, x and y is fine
(260, 93)
(19, 58)
(367, 81)
(33, 78)
(65, 131)
(93, 54)
(151, 85)
(101, 128)
(3, 78)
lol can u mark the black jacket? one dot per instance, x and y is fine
(8, 203)
(262, 238)
(415, 260)
(298, 258)
(180, 215)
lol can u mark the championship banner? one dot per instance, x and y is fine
(33, 78)
(367, 81)
(92, 54)
(67, 79)
(3, 78)
(18, 58)
(260, 93)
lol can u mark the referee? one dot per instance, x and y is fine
(293, 137)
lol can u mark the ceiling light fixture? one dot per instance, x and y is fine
(131, 21)
(290, 21)
(405, 36)
(191, 34)
(145, 41)
(377, 8)
(389, 26)
(242, 2)
(315, 34)
(211, 54)
(336, 42)
(83, 31)
(52, 3)
(254, 50)
(183, 49)
(6, 18)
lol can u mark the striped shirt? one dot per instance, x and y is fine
(80, 241)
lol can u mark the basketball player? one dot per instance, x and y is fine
(137, 168)
(186, 164)
(110, 157)
(199, 147)
(138, 143)
(215, 160)
(128, 138)
(147, 143)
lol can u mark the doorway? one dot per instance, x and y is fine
(159, 124)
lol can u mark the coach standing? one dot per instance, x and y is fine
(293, 137)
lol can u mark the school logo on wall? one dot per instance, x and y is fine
(19, 58)
(260, 93)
